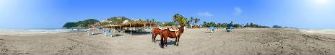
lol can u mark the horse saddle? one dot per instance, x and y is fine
(173, 29)
(170, 28)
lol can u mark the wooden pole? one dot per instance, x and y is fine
(131, 32)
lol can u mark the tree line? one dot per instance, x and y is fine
(178, 19)
(80, 24)
(235, 25)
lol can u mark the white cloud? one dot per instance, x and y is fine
(237, 11)
(205, 14)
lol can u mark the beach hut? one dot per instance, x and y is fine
(127, 25)
(137, 25)
(108, 27)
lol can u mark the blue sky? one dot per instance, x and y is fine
(54, 13)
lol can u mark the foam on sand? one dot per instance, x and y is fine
(321, 31)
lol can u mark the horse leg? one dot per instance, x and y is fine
(165, 41)
(154, 37)
(177, 41)
(162, 42)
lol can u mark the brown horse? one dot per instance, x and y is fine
(155, 32)
(166, 33)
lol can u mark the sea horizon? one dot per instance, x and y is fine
(34, 30)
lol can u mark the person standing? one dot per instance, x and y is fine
(229, 27)
(212, 28)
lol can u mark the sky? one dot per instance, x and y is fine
(54, 13)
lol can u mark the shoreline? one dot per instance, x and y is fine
(319, 31)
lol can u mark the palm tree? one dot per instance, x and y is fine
(190, 22)
(181, 20)
(196, 20)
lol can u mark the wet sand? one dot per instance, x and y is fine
(247, 41)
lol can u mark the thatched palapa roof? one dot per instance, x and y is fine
(126, 24)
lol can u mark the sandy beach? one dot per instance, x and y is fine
(247, 41)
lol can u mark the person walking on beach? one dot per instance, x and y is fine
(212, 29)
(230, 27)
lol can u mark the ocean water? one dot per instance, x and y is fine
(323, 31)
(41, 30)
